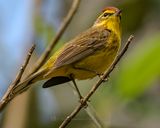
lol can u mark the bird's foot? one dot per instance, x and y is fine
(102, 78)
(84, 103)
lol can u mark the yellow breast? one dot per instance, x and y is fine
(98, 62)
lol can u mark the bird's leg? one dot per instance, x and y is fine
(76, 87)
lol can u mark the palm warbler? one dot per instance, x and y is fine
(87, 55)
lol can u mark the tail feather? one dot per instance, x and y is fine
(30, 80)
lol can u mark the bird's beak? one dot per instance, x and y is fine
(118, 13)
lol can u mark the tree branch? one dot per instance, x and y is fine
(8, 94)
(95, 87)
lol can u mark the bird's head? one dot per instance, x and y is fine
(110, 18)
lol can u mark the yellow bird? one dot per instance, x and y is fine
(87, 55)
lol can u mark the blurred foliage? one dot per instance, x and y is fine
(134, 14)
(43, 30)
(141, 70)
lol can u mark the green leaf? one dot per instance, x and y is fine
(139, 69)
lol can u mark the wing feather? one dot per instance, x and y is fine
(82, 46)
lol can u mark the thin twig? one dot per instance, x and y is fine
(94, 116)
(19, 76)
(89, 110)
(8, 94)
(62, 28)
(94, 88)
(5, 99)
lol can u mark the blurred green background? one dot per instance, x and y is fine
(131, 97)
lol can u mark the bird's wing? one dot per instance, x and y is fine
(82, 46)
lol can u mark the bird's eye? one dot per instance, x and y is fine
(107, 14)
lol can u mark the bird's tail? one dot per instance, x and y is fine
(22, 86)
